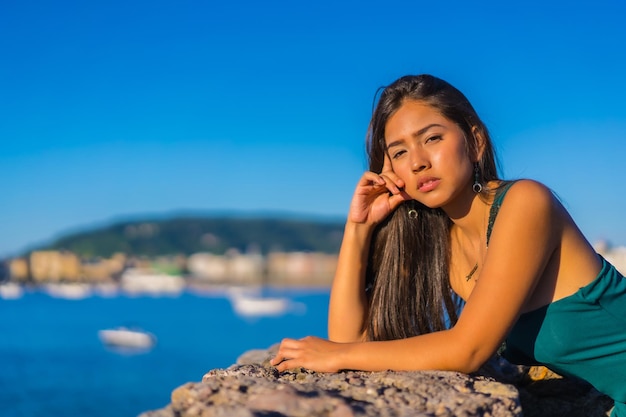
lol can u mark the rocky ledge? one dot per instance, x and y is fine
(253, 388)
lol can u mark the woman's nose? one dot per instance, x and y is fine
(419, 161)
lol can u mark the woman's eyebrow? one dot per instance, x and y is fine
(416, 134)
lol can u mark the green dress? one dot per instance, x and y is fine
(583, 335)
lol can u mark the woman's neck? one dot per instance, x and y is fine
(470, 214)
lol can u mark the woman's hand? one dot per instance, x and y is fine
(311, 352)
(377, 195)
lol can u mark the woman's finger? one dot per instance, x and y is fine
(283, 353)
(390, 174)
(397, 199)
(372, 179)
(286, 365)
(392, 182)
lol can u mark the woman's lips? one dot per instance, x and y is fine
(428, 184)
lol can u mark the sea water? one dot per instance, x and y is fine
(52, 362)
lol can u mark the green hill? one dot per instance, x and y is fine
(187, 235)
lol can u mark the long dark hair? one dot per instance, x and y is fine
(407, 278)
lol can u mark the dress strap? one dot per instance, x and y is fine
(495, 207)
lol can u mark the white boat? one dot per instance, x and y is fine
(74, 291)
(138, 282)
(10, 291)
(248, 305)
(123, 337)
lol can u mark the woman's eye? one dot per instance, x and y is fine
(433, 138)
(398, 154)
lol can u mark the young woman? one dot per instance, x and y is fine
(431, 222)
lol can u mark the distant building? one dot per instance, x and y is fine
(54, 266)
(231, 268)
(19, 269)
(208, 267)
(102, 269)
(246, 268)
(301, 268)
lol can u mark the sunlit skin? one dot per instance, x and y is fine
(536, 255)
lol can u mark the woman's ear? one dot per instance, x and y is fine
(480, 142)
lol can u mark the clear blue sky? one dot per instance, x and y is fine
(118, 108)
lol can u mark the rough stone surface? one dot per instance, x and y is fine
(253, 388)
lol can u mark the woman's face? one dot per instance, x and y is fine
(429, 153)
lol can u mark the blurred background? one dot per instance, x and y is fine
(182, 169)
(112, 109)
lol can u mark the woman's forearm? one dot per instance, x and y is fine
(434, 351)
(348, 303)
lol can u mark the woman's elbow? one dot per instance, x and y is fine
(472, 364)
(467, 364)
(470, 359)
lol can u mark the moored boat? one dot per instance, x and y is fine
(10, 291)
(123, 337)
(252, 305)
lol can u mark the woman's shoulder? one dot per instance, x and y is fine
(530, 212)
(528, 194)
(526, 188)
